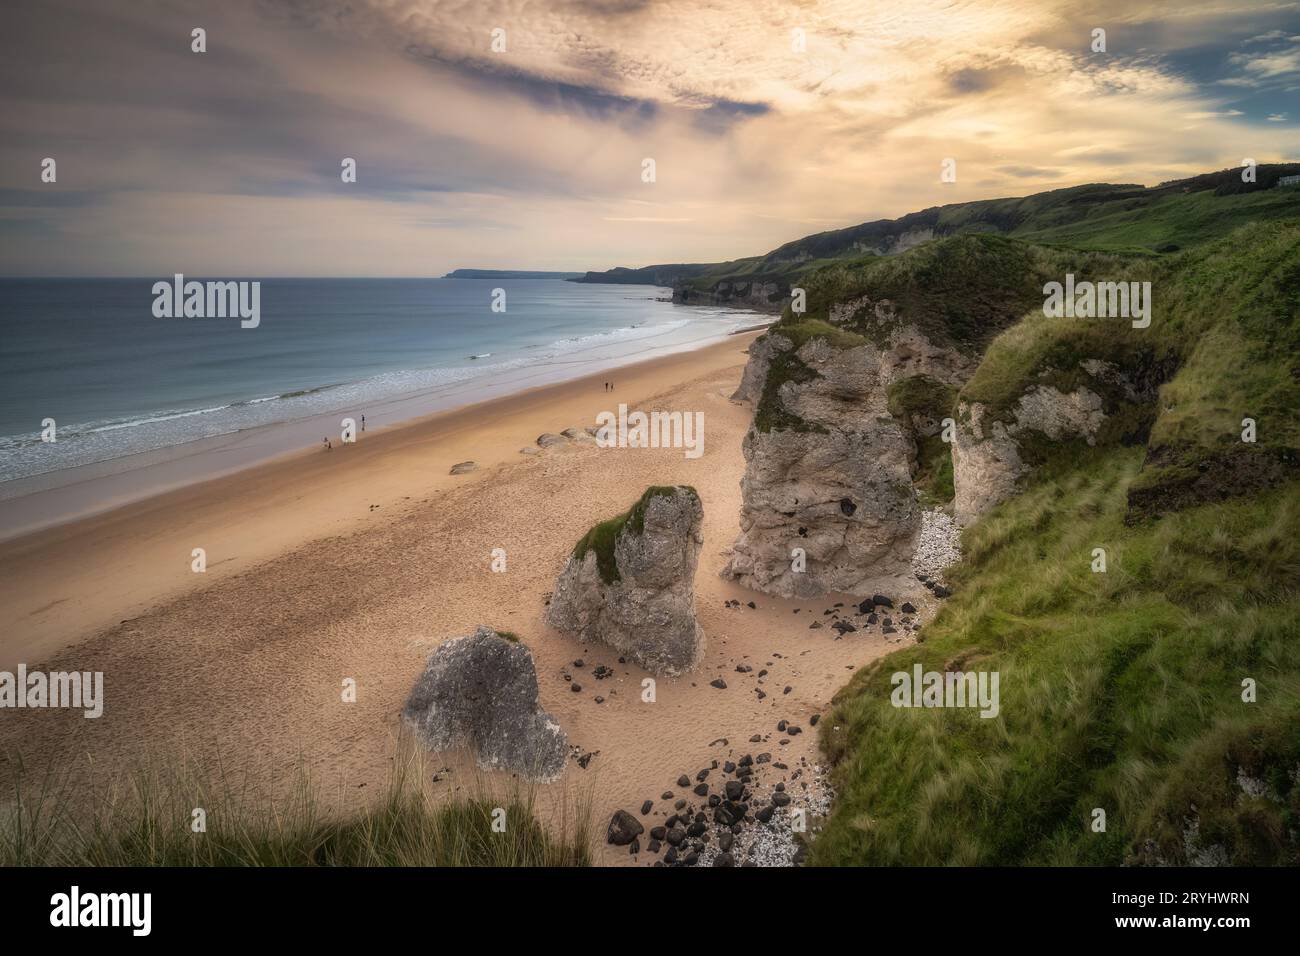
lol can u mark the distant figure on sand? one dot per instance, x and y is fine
(363, 422)
(326, 442)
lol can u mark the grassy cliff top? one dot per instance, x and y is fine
(1221, 347)
(1104, 217)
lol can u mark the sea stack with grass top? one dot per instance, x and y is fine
(481, 691)
(630, 582)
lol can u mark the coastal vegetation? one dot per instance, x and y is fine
(149, 818)
(1162, 690)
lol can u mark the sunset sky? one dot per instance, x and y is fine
(227, 162)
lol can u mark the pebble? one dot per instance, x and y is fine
(937, 547)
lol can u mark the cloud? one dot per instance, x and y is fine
(228, 161)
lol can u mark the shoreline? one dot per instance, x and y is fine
(38, 502)
(132, 524)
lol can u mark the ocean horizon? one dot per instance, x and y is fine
(90, 354)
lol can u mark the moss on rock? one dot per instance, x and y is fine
(603, 536)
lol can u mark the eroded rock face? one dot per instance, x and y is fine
(766, 296)
(832, 475)
(480, 691)
(986, 463)
(987, 457)
(642, 601)
(761, 351)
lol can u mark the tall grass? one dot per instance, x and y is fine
(1119, 690)
(146, 818)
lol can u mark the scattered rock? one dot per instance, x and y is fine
(464, 467)
(623, 828)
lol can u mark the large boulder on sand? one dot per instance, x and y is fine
(630, 582)
(480, 691)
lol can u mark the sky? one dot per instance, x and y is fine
(766, 120)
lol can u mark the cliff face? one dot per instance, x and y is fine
(850, 400)
(986, 455)
(828, 468)
(761, 352)
(761, 295)
(851, 397)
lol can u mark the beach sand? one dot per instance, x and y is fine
(354, 563)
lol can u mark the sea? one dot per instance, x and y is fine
(116, 381)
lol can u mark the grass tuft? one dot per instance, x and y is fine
(146, 818)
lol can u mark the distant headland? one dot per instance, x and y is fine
(508, 274)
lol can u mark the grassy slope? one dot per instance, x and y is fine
(1119, 690)
(1103, 217)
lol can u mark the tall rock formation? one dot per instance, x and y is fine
(630, 583)
(828, 469)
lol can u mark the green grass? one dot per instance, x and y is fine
(1169, 223)
(1119, 690)
(1126, 219)
(920, 404)
(145, 819)
(602, 537)
(933, 479)
(1225, 320)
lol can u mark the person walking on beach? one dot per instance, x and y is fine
(326, 442)
(363, 422)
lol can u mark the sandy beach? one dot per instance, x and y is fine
(354, 563)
